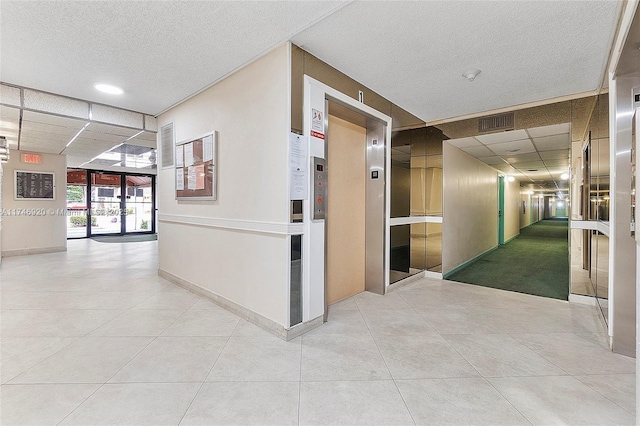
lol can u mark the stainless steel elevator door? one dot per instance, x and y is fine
(355, 223)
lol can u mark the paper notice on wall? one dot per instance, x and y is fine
(207, 148)
(191, 177)
(199, 176)
(298, 166)
(188, 154)
(180, 179)
(180, 156)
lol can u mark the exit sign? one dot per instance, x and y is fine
(32, 158)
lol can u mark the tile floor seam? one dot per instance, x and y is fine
(387, 367)
(206, 376)
(509, 401)
(79, 405)
(540, 354)
(142, 349)
(25, 370)
(525, 346)
(600, 393)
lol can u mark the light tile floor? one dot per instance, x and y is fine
(94, 336)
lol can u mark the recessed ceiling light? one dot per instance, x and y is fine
(564, 176)
(510, 178)
(107, 88)
(513, 150)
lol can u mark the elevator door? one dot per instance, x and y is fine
(346, 198)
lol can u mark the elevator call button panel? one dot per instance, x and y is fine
(319, 200)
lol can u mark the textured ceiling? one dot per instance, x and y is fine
(158, 52)
(413, 53)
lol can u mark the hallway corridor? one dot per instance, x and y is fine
(536, 262)
(94, 336)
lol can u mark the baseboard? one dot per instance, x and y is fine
(255, 318)
(447, 274)
(582, 300)
(405, 281)
(512, 238)
(25, 252)
(434, 275)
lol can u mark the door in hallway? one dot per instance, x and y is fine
(346, 166)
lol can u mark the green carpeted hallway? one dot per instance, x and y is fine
(536, 262)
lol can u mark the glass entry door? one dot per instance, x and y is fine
(106, 200)
(121, 203)
(139, 204)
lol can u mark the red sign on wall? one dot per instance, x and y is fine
(31, 158)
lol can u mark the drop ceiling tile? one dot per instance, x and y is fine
(464, 142)
(68, 132)
(153, 143)
(507, 148)
(44, 142)
(555, 129)
(9, 125)
(493, 138)
(9, 114)
(530, 165)
(54, 137)
(539, 175)
(478, 151)
(112, 130)
(38, 117)
(90, 133)
(557, 163)
(492, 160)
(40, 145)
(560, 154)
(532, 156)
(153, 136)
(505, 168)
(552, 143)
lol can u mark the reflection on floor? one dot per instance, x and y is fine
(536, 262)
(94, 336)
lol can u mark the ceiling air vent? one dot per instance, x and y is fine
(496, 122)
(166, 145)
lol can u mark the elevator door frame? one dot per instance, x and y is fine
(374, 159)
(314, 262)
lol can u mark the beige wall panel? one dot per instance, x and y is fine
(304, 63)
(249, 110)
(511, 216)
(470, 219)
(45, 230)
(345, 209)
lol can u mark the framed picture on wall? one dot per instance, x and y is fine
(33, 185)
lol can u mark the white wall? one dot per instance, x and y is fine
(511, 215)
(23, 233)
(247, 265)
(470, 213)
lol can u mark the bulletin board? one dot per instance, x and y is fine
(30, 185)
(196, 168)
